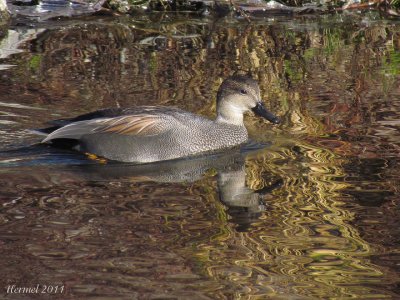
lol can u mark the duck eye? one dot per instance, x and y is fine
(243, 92)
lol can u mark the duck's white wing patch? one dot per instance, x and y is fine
(135, 125)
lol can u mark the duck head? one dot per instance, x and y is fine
(237, 95)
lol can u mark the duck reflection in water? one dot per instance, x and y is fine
(244, 205)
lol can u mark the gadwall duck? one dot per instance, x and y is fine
(150, 133)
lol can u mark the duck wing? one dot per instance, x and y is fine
(115, 112)
(134, 125)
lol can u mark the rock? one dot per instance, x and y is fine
(4, 15)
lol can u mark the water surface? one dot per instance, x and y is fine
(309, 210)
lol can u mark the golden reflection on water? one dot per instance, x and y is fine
(304, 244)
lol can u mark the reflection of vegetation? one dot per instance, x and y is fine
(34, 62)
(392, 62)
(308, 242)
(332, 41)
(294, 72)
(390, 70)
(200, 6)
(310, 53)
(153, 63)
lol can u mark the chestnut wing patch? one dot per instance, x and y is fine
(139, 125)
(135, 125)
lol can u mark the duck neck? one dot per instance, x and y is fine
(228, 113)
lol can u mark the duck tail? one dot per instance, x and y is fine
(44, 131)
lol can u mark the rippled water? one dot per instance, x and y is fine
(309, 210)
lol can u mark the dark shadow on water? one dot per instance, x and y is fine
(40, 154)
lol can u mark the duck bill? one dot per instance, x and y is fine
(261, 111)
